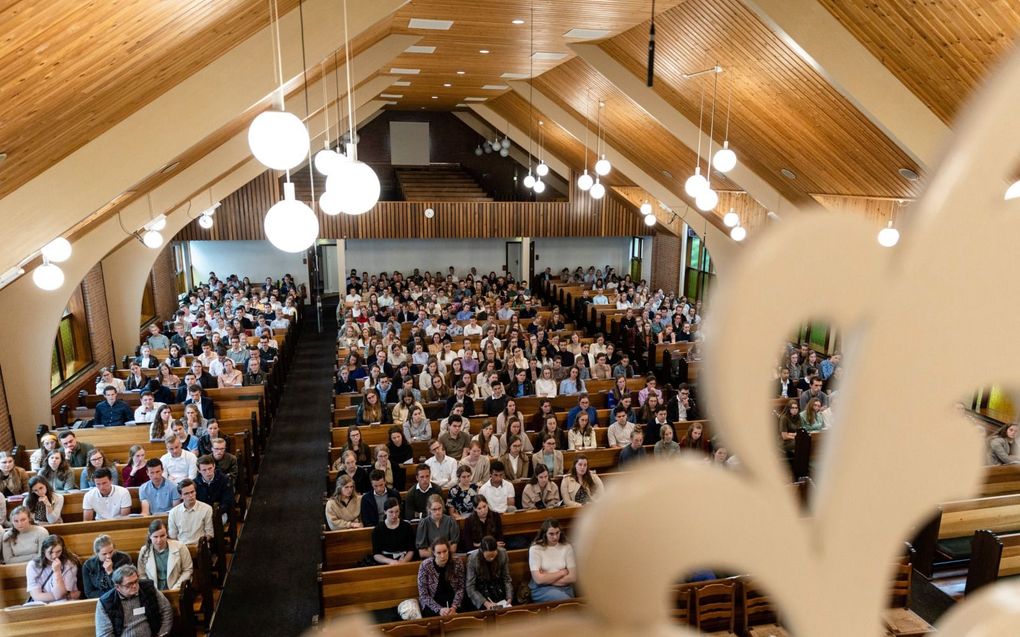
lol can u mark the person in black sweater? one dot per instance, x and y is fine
(416, 504)
(371, 511)
(392, 538)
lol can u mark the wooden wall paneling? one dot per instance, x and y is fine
(784, 114)
(877, 211)
(941, 51)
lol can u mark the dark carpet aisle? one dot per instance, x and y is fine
(272, 587)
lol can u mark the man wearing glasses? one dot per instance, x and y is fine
(134, 608)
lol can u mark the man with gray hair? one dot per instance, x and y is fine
(134, 608)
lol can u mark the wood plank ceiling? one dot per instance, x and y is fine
(489, 26)
(941, 50)
(73, 68)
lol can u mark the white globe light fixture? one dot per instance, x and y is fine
(48, 276)
(695, 183)
(358, 187)
(529, 181)
(542, 169)
(488, 148)
(278, 139)
(330, 202)
(725, 159)
(706, 200)
(585, 181)
(598, 191)
(602, 166)
(1013, 192)
(539, 186)
(731, 219)
(478, 151)
(58, 250)
(157, 224)
(738, 234)
(496, 145)
(646, 208)
(504, 152)
(291, 225)
(152, 239)
(888, 236)
(649, 220)
(327, 160)
(506, 142)
(205, 221)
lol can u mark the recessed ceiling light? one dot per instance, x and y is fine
(586, 34)
(908, 174)
(495, 87)
(435, 25)
(460, 72)
(390, 103)
(483, 51)
(420, 49)
(475, 99)
(548, 56)
(391, 96)
(435, 97)
(514, 76)
(447, 84)
(400, 71)
(667, 174)
(3, 156)
(169, 168)
(517, 21)
(402, 83)
(461, 105)
(789, 174)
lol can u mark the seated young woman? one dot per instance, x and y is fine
(548, 456)
(582, 435)
(488, 576)
(482, 521)
(392, 538)
(540, 492)
(580, 486)
(355, 444)
(436, 525)
(460, 501)
(552, 563)
(347, 465)
(694, 439)
(441, 581)
(343, 509)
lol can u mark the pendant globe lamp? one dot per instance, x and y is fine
(598, 191)
(586, 181)
(291, 225)
(708, 199)
(48, 276)
(725, 159)
(539, 186)
(278, 139)
(602, 166)
(529, 181)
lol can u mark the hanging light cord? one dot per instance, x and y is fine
(350, 89)
(304, 80)
(274, 17)
(587, 120)
(729, 99)
(325, 98)
(708, 156)
(701, 118)
(531, 89)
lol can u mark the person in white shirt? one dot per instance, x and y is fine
(619, 431)
(180, 464)
(444, 468)
(472, 328)
(190, 520)
(146, 359)
(499, 492)
(106, 500)
(146, 412)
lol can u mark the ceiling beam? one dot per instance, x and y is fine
(819, 39)
(142, 144)
(676, 123)
(724, 249)
(482, 119)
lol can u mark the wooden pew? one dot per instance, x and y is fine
(946, 538)
(1001, 480)
(438, 626)
(992, 556)
(344, 549)
(77, 618)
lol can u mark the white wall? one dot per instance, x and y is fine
(254, 259)
(488, 255)
(569, 252)
(646, 259)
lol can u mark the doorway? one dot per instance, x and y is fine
(514, 254)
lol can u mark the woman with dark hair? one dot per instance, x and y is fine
(58, 472)
(618, 391)
(161, 424)
(347, 465)
(441, 581)
(508, 415)
(176, 357)
(372, 410)
(538, 419)
(789, 425)
(694, 439)
(43, 502)
(515, 429)
(401, 453)
(1002, 446)
(97, 460)
(580, 486)
(53, 575)
(166, 562)
(552, 428)
(552, 564)
(437, 524)
(582, 436)
(482, 521)
(355, 444)
(134, 473)
(540, 492)
(13, 479)
(488, 576)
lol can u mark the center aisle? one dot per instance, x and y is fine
(272, 587)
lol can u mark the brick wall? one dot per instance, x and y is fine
(666, 262)
(6, 439)
(164, 284)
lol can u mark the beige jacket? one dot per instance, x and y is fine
(179, 566)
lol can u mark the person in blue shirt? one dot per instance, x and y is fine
(112, 412)
(830, 364)
(583, 404)
(159, 494)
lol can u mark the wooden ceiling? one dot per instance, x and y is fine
(72, 69)
(489, 26)
(940, 50)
